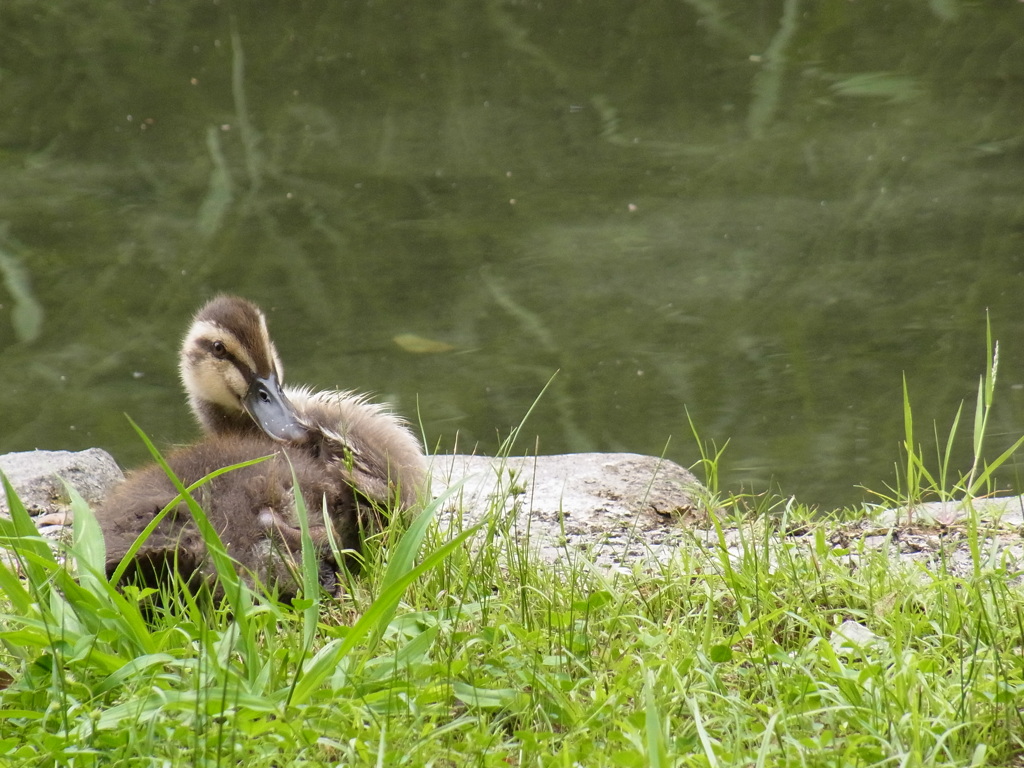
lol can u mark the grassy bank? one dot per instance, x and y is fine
(773, 651)
(716, 659)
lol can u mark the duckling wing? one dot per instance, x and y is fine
(374, 450)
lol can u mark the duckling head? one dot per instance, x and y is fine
(232, 372)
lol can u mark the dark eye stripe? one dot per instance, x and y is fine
(225, 354)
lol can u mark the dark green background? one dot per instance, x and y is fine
(763, 213)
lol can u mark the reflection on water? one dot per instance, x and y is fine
(759, 220)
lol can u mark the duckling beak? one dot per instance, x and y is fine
(272, 411)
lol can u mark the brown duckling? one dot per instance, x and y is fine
(233, 376)
(251, 508)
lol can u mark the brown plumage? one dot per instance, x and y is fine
(252, 509)
(233, 376)
(350, 454)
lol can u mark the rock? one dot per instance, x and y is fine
(937, 536)
(852, 638)
(36, 478)
(608, 507)
(1005, 510)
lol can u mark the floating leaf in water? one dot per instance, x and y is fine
(27, 315)
(419, 345)
(882, 85)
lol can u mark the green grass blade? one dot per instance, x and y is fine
(657, 755)
(403, 558)
(132, 669)
(87, 542)
(379, 612)
(913, 490)
(13, 588)
(235, 591)
(93, 592)
(705, 739)
(20, 535)
(947, 455)
(310, 567)
(986, 474)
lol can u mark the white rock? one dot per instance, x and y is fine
(608, 507)
(36, 477)
(853, 638)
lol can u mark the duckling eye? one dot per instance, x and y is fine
(219, 350)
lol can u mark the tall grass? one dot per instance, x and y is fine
(738, 652)
(918, 482)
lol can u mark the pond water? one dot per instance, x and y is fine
(758, 219)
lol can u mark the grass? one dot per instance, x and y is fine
(752, 648)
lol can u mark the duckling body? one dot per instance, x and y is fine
(233, 376)
(345, 451)
(252, 509)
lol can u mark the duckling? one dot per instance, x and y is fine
(233, 375)
(251, 508)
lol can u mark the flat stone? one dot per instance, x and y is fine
(1004, 510)
(608, 507)
(36, 477)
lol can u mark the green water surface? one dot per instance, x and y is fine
(763, 214)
